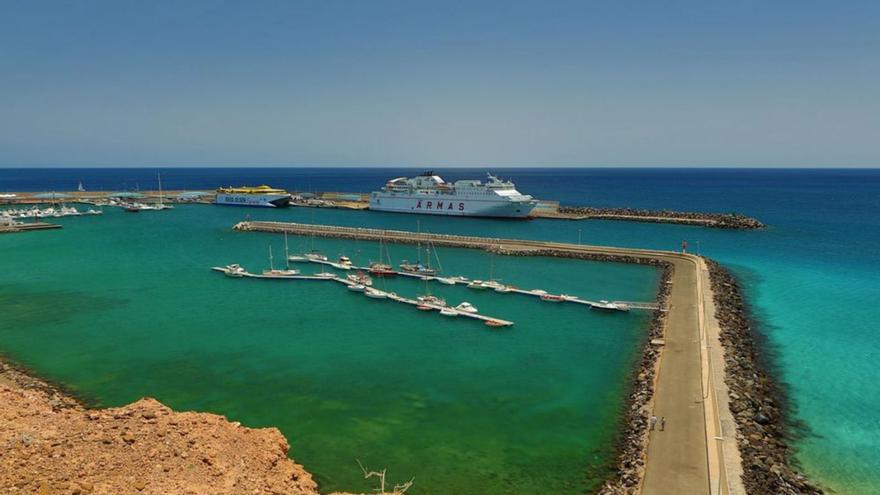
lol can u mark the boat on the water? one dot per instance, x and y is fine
(315, 256)
(360, 278)
(262, 196)
(344, 263)
(234, 270)
(445, 280)
(357, 287)
(478, 285)
(325, 275)
(430, 299)
(430, 194)
(467, 307)
(503, 289)
(604, 305)
(448, 312)
(552, 298)
(375, 293)
(272, 272)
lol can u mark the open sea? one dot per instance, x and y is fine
(121, 306)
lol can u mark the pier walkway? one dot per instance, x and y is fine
(697, 452)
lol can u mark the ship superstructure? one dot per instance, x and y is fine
(430, 194)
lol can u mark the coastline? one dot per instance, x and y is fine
(757, 400)
(53, 443)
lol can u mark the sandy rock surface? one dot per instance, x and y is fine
(50, 444)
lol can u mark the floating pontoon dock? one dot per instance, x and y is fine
(489, 320)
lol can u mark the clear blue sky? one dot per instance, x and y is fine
(702, 83)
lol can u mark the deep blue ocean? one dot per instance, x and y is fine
(811, 277)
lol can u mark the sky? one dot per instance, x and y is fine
(449, 83)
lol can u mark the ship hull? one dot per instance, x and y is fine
(257, 200)
(452, 207)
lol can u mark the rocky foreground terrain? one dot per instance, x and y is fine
(50, 444)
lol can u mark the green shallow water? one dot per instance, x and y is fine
(125, 306)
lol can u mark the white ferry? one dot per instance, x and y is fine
(264, 196)
(430, 194)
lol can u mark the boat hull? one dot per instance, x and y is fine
(496, 208)
(257, 200)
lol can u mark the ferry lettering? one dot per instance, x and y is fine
(439, 205)
(461, 207)
(450, 206)
(420, 204)
(428, 205)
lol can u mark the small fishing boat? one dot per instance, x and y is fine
(502, 288)
(538, 292)
(466, 307)
(422, 307)
(448, 312)
(357, 288)
(494, 323)
(234, 270)
(445, 280)
(568, 297)
(132, 209)
(478, 285)
(375, 293)
(552, 298)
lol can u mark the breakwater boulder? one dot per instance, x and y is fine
(756, 399)
(717, 220)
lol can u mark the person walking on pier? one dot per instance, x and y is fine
(663, 423)
(653, 421)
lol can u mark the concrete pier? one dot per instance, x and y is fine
(694, 453)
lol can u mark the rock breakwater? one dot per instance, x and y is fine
(716, 220)
(756, 399)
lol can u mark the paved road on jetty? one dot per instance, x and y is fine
(688, 456)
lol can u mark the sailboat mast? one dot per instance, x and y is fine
(271, 264)
(286, 252)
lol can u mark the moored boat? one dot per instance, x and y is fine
(478, 285)
(552, 298)
(467, 307)
(234, 270)
(356, 287)
(375, 293)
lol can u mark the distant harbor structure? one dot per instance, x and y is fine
(429, 194)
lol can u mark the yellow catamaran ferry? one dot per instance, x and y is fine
(264, 196)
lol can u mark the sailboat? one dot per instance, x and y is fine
(161, 205)
(430, 299)
(380, 268)
(296, 258)
(273, 273)
(418, 267)
(80, 187)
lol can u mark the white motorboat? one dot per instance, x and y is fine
(375, 293)
(234, 270)
(357, 288)
(502, 288)
(467, 307)
(298, 258)
(448, 312)
(445, 280)
(325, 275)
(478, 284)
(340, 266)
(604, 305)
(361, 278)
(316, 257)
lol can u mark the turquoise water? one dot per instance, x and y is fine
(811, 277)
(125, 305)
